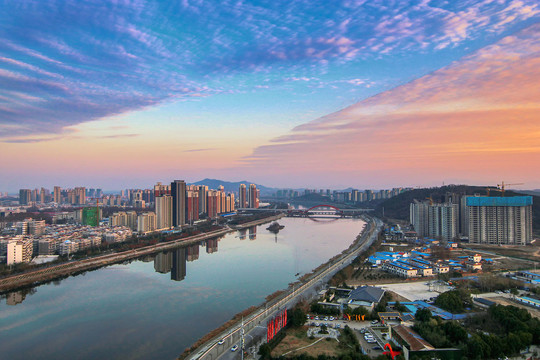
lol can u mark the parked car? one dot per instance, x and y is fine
(332, 318)
(375, 322)
(234, 348)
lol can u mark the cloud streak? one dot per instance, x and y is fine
(478, 114)
(82, 61)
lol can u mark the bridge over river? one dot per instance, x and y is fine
(317, 211)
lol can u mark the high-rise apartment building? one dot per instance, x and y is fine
(178, 193)
(213, 199)
(500, 220)
(164, 206)
(242, 197)
(368, 195)
(418, 212)
(192, 206)
(57, 194)
(146, 222)
(160, 190)
(253, 196)
(230, 203)
(78, 196)
(202, 199)
(435, 220)
(443, 221)
(223, 201)
(25, 196)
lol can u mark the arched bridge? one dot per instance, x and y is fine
(323, 210)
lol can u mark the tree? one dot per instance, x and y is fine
(453, 301)
(423, 315)
(399, 307)
(514, 291)
(265, 351)
(298, 317)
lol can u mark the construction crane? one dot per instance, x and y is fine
(502, 186)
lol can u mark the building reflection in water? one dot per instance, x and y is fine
(17, 297)
(242, 234)
(211, 246)
(252, 233)
(163, 262)
(192, 252)
(178, 271)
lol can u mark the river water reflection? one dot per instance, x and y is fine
(156, 307)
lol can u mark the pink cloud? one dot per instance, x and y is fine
(480, 115)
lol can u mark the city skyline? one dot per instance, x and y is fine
(285, 94)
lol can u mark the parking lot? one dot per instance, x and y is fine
(371, 340)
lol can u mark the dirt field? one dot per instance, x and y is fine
(297, 338)
(526, 254)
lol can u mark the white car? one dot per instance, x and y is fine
(220, 342)
(234, 348)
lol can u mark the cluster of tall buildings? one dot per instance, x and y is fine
(248, 197)
(76, 196)
(353, 196)
(178, 204)
(482, 219)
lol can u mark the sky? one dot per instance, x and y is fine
(367, 94)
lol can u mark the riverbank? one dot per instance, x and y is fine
(44, 275)
(208, 347)
(257, 222)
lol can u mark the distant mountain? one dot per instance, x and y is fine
(233, 186)
(535, 192)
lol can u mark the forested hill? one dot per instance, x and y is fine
(398, 206)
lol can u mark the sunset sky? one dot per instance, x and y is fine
(327, 94)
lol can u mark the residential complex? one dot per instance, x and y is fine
(435, 220)
(500, 220)
(483, 219)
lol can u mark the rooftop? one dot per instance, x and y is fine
(415, 341)
(366, 293)
(499, 201)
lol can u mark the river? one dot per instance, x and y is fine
(156, 307)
